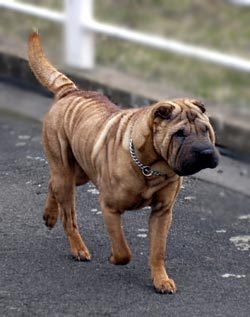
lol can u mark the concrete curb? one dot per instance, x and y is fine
(233, 134)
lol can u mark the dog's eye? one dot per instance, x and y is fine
(180, 133)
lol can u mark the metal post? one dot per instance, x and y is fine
(79, 41)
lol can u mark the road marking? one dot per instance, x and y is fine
(36, 158)
(20, 144)
(226, 275)
(142, 235)
(143, 230)
(24, 137)
(242, 243)
(190, 198)
(221, 231)
(244, 217)
(93, 191)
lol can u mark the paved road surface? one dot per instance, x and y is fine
(209, 240)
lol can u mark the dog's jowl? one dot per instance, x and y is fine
(135, 157)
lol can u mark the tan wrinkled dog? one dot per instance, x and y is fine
(135, 157)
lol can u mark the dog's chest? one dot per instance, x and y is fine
(133, 195)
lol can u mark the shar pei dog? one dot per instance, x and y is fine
(135, 157)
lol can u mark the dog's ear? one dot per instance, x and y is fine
(200, 105)
(164, 112)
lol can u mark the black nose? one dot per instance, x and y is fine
(208, 157)
(207, 152)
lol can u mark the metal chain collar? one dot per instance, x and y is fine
(146, 170)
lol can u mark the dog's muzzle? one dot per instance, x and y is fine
(201, 156)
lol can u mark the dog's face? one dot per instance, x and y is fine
(183, 136)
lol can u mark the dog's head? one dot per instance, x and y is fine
(183, 136)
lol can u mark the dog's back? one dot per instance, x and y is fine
(72, 106)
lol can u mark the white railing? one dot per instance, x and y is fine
(240, 2)
(80, 29)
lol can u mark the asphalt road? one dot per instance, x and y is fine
(208, 248)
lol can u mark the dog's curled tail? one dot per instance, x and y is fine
(47, 74)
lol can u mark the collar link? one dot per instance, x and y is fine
(146, 170)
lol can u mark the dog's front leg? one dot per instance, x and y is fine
(159, 224)
(120, 252)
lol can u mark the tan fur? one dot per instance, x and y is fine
(86, 137)
(49, 77)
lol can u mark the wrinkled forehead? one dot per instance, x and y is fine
(188, 110)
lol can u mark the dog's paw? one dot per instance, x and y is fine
(81, 255)
(165, 285)
(122, 260)
(50, 220)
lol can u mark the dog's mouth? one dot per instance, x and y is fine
(187, 171)
(199, 160)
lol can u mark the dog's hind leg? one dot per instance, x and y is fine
(51, 211)
(80, 177)
(61, 198)
(63, 189)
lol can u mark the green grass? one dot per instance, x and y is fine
(211, 23)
